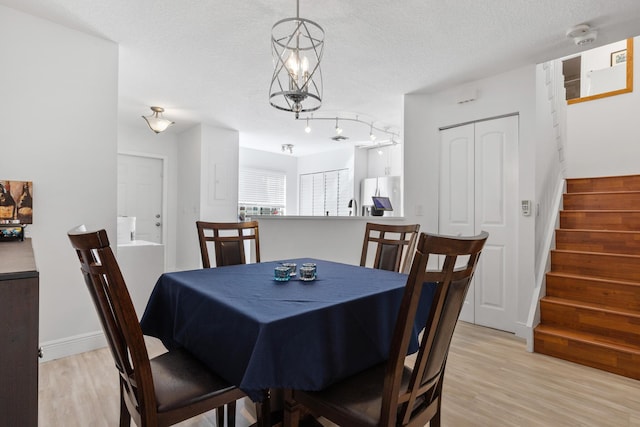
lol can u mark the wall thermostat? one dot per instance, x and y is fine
(526, 207)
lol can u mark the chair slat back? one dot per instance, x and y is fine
(395, 245)
(117, 315)
(228, 241)
(416, 404)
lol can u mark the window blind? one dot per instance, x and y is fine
(327, 191)
(262, 187)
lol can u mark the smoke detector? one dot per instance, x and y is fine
(582, 34)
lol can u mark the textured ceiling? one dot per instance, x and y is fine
(209, 61)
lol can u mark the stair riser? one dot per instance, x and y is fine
(599, 241)
(610, 294)
(589, 354)
(622, 267)
(602, 201)
(593, 220)
(613, 183)
(618, 326)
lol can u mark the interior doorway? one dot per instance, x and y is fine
(140, 194)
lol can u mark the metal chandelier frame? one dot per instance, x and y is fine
(297, 45)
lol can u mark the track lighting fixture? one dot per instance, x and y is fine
(375, 133)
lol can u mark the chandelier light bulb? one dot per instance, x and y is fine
(307, 128)
(371, 134)
(338, 128)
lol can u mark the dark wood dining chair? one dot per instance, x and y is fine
(391, 393)
(161, 391)
(228, 241)
(394, 244)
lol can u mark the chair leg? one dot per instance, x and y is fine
(291, 410)
(125, 417)
(231, 414)
(435, 420)
(220, 416)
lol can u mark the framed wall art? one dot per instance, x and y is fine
(16, 202)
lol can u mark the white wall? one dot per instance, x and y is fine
(59, 130)
(207, 186)
(603, 135)
(510, 92)
(188, 209)
(342, 158)
(219, 174)
(333, 238)
(141, 140)
(286, 163)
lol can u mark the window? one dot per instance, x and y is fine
(325, 193)
(261, 192)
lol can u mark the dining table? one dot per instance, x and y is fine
(262, 334)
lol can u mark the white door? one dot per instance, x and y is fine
(140, 194)
(478, 191)
(457, 195)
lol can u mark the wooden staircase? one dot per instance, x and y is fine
(591, 312)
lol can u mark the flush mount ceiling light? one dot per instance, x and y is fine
(582, 34)
(156, 121)
(297, 45)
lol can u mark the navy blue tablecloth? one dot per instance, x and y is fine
(259, 334)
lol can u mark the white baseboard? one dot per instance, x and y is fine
(526, 332)
(69, 346)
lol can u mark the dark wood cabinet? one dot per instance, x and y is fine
(18, 334)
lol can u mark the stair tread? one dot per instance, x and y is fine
(609, 254)
(604, 192)
(588, 338)
(592, 306)
(593, 278)
(589, 230)
(601, 210)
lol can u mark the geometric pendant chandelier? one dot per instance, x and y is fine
(297, 45)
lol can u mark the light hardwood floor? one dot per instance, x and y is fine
(490, 381)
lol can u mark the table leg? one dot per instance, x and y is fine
(291, 410)
(263, 410)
